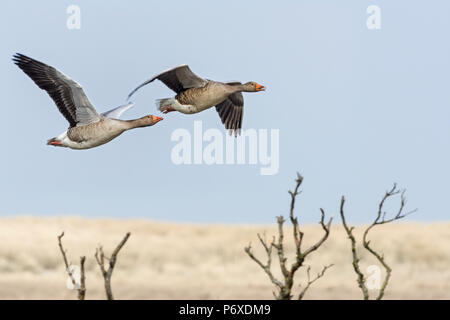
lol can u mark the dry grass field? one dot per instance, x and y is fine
(183, 261)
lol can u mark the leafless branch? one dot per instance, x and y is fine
(311, 281)
(107, 273)
(82, 290)
(81, 287)
(266, 267)
(285, 287)
(326, 228)
(355, 260)
(379, 220)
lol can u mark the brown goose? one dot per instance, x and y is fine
(87, 129)
(195, 94)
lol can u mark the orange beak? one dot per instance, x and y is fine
(260, 87)
(156, 119)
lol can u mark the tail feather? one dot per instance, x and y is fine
(163, 102)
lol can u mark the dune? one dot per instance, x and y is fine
(193, 261)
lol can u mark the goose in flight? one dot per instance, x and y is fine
(87, 128)
(195, 94)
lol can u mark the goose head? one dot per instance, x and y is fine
(151, 119)
(253, 87)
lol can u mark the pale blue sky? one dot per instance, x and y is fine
(357, 109)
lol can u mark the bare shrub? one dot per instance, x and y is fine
(285, 286)
(107, 273)
(80, 284)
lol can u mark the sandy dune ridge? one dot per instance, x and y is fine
(189, 261)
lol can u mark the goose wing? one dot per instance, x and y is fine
(231, 111)
(178, 79)
(117, 112)
(67, 94)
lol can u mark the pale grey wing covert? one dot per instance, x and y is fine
(116, 113)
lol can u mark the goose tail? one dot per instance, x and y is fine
(162, 103)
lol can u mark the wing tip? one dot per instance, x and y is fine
(23, 61)
(236, 132)
(130, 94)
(18, 58)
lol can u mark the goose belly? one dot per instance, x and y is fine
(90, 143)
(86, 138)
(200, 99)
(210, 99)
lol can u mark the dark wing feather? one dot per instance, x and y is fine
(231, 112)
(178, 79)
(67, 94)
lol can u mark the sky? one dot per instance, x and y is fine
(356, 109)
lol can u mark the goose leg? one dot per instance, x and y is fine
(56, 143)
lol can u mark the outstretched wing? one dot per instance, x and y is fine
(178, 79)
(67, 94)
(231, 111)
(117, 112)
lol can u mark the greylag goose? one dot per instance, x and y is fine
(195, 94)
(87, 128)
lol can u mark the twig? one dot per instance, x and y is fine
(107, 273)
(326, 229)
(266, 267)
(310, 282)
(82, 286)
(298, 235)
